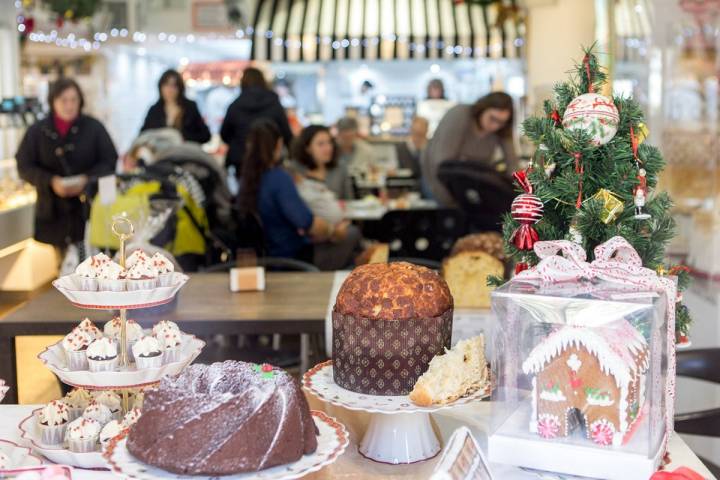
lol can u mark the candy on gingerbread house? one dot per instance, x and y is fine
(594, 377)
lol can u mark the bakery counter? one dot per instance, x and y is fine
(352, 466)
(16, 221)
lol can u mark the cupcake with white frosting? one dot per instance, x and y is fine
(148, 353)
(88, 271)
(136, 256)
(109, 431)
(131, 417)
(77, 401)
(133, 330)
(171, 344)
(165, 268)
(102, 355)
(142, 276)
(75, 345)
(111, 400)
(163, 325)
(88, 326)
(111, 277)
(98, 412)
(82, 435)
(53, 419)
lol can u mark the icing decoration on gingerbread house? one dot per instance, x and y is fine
(590, 376)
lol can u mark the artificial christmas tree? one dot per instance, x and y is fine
(595, 177)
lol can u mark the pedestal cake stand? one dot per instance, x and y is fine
(126, 377)
(400, 432)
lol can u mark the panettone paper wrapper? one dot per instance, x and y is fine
(386, 357)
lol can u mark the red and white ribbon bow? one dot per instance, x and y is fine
(618, 262)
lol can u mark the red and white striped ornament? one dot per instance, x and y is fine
(527, 209)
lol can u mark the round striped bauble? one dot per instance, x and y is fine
(527, 208)
(595, 114)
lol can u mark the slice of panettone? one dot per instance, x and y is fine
(452, 375)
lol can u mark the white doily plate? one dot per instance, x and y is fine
(30, 432)
(332, 441)
(319, 381)
(54, 358)
(20, 457)
(105, 300)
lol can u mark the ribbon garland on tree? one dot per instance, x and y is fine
(527, 209)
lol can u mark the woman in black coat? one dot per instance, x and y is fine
(58, 156)
(256, 101)
(174, 110)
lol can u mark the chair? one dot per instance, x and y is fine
(271, 263)
(482, 193)
(701, 364)
(422, 234)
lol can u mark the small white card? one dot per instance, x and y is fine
(247, 279)
(107, 189)
(462, 459)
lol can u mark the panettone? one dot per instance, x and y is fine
(473, 259)
(375, 253)
(393, 291)
(389, 321)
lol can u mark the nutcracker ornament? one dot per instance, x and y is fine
(640, 196)
(527, 209)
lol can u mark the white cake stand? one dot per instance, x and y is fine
(400, 432)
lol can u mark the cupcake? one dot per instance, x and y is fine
(171, 343)
(5, 462)
(165, 269)
(88, 271)
(111, 277)
(142, 276)
(133, 331)
(76, 401)
(160, 327)
(82, 435)
(102, 355)
(112, 401)
(75, 345)
(109, 431)
(87, 326)
(136, 256)
(52, 420)
(138, 399)
(131, 417)
(98, 412)
(148, 353)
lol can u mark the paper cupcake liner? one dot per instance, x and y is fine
(111, 285)
(165, 279)
(172, 354)
(74, 413)
(149, 362)
(76, 360)
(87, 284)
(144, 284)
(103, 365)
(82, 445)
(379, 357)
(52, 434)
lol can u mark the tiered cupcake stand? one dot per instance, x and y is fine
(400, 432)
(127, 377)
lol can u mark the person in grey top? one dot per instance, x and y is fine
(482, 132)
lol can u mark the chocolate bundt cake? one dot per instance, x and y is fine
(389, 321)
(223, 419)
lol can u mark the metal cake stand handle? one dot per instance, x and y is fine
(123, 228)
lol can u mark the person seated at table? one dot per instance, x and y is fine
(482, 132)
(355, 154)
(314, 150)
(410, 151)
(290, 228)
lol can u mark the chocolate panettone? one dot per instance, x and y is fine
(389, 321)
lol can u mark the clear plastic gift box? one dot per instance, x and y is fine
(581, 377)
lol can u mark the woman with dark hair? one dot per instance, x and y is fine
(316, 153)
(435, 105)
(256, 101)
(482, 132)
(59, 155)
(174, 110)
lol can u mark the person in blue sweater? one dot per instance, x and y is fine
(267, 190)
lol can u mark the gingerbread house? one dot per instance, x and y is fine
(588, 376)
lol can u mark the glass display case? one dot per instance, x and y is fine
(581, 378)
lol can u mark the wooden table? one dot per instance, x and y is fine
(293, 303)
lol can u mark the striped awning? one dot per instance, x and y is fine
(633, 28)
(325, 30)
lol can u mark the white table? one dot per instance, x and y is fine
(360, 210)
(350, 461)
